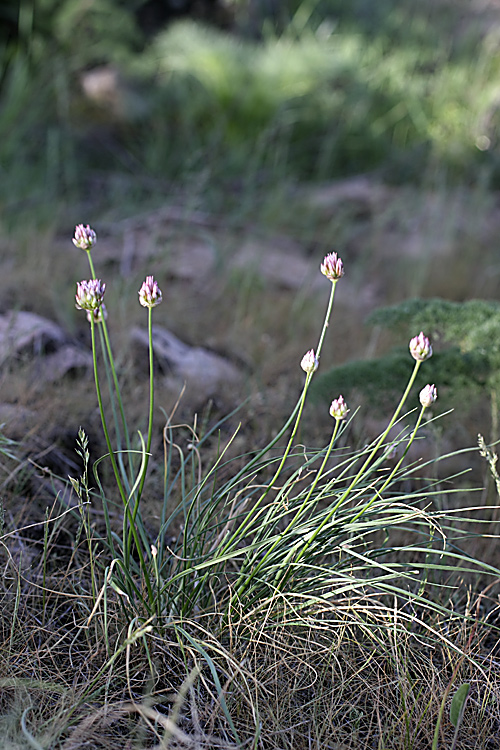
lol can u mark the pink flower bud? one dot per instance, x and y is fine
(332, 267)
(338, 408)
(89, 294)
(309, 362)
(99, 314)
(428, 396)
(85, 237)
(150, 293)
(420, 347)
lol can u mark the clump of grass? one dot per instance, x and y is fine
(283, 558)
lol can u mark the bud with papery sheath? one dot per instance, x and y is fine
(332, 267)
(309, 362)
(338, 408)
(420, 347)
(428, 396)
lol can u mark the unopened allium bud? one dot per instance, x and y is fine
(428, 396)
(338, 408)
(420, 347)
(89, 294)
(99, 314)
(85, 237)
(309, 361)
(332, 267)
(150, 293)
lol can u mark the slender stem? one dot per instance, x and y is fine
(126, 550)
(103, 418)
(302, 507)
(326, 321)
(302, 400)
(151, 404)
(362, 470)
(394, 471)
(298, 406)
(112, 365)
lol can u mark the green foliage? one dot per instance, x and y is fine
(472, 325)
(335, 93)
(381, 379)
(467, 367)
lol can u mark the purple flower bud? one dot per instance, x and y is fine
(309, 362)
(150, 293)
(332, 267)
(420, 347)
(428, 396)
(85, 237)
(338, 408)
(89, 294)
(99, 314)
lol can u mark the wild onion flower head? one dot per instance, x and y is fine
(85, 237)
(420, 347)
(332, 267)
(99, 314)
(309, 362)
(428, 396)
(338, 408)
(89, 294)
(150, 293)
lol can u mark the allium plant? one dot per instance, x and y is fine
(292, 533)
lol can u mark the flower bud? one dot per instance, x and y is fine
(89, 294)
(428, 396)
(420, 347)
(150, 293)
(338, 408)
(309, 362)
(332, 267)
(99, 314)
(85, 237)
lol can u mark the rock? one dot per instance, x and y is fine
(204, 372)
(68, 360)
(283, 266)
(360, 192)
(24, 333)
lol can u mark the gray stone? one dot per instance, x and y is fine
(203, 371)
(25, 333)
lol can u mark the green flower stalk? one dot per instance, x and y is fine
(150, 296)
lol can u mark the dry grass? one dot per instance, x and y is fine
(358, 674)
